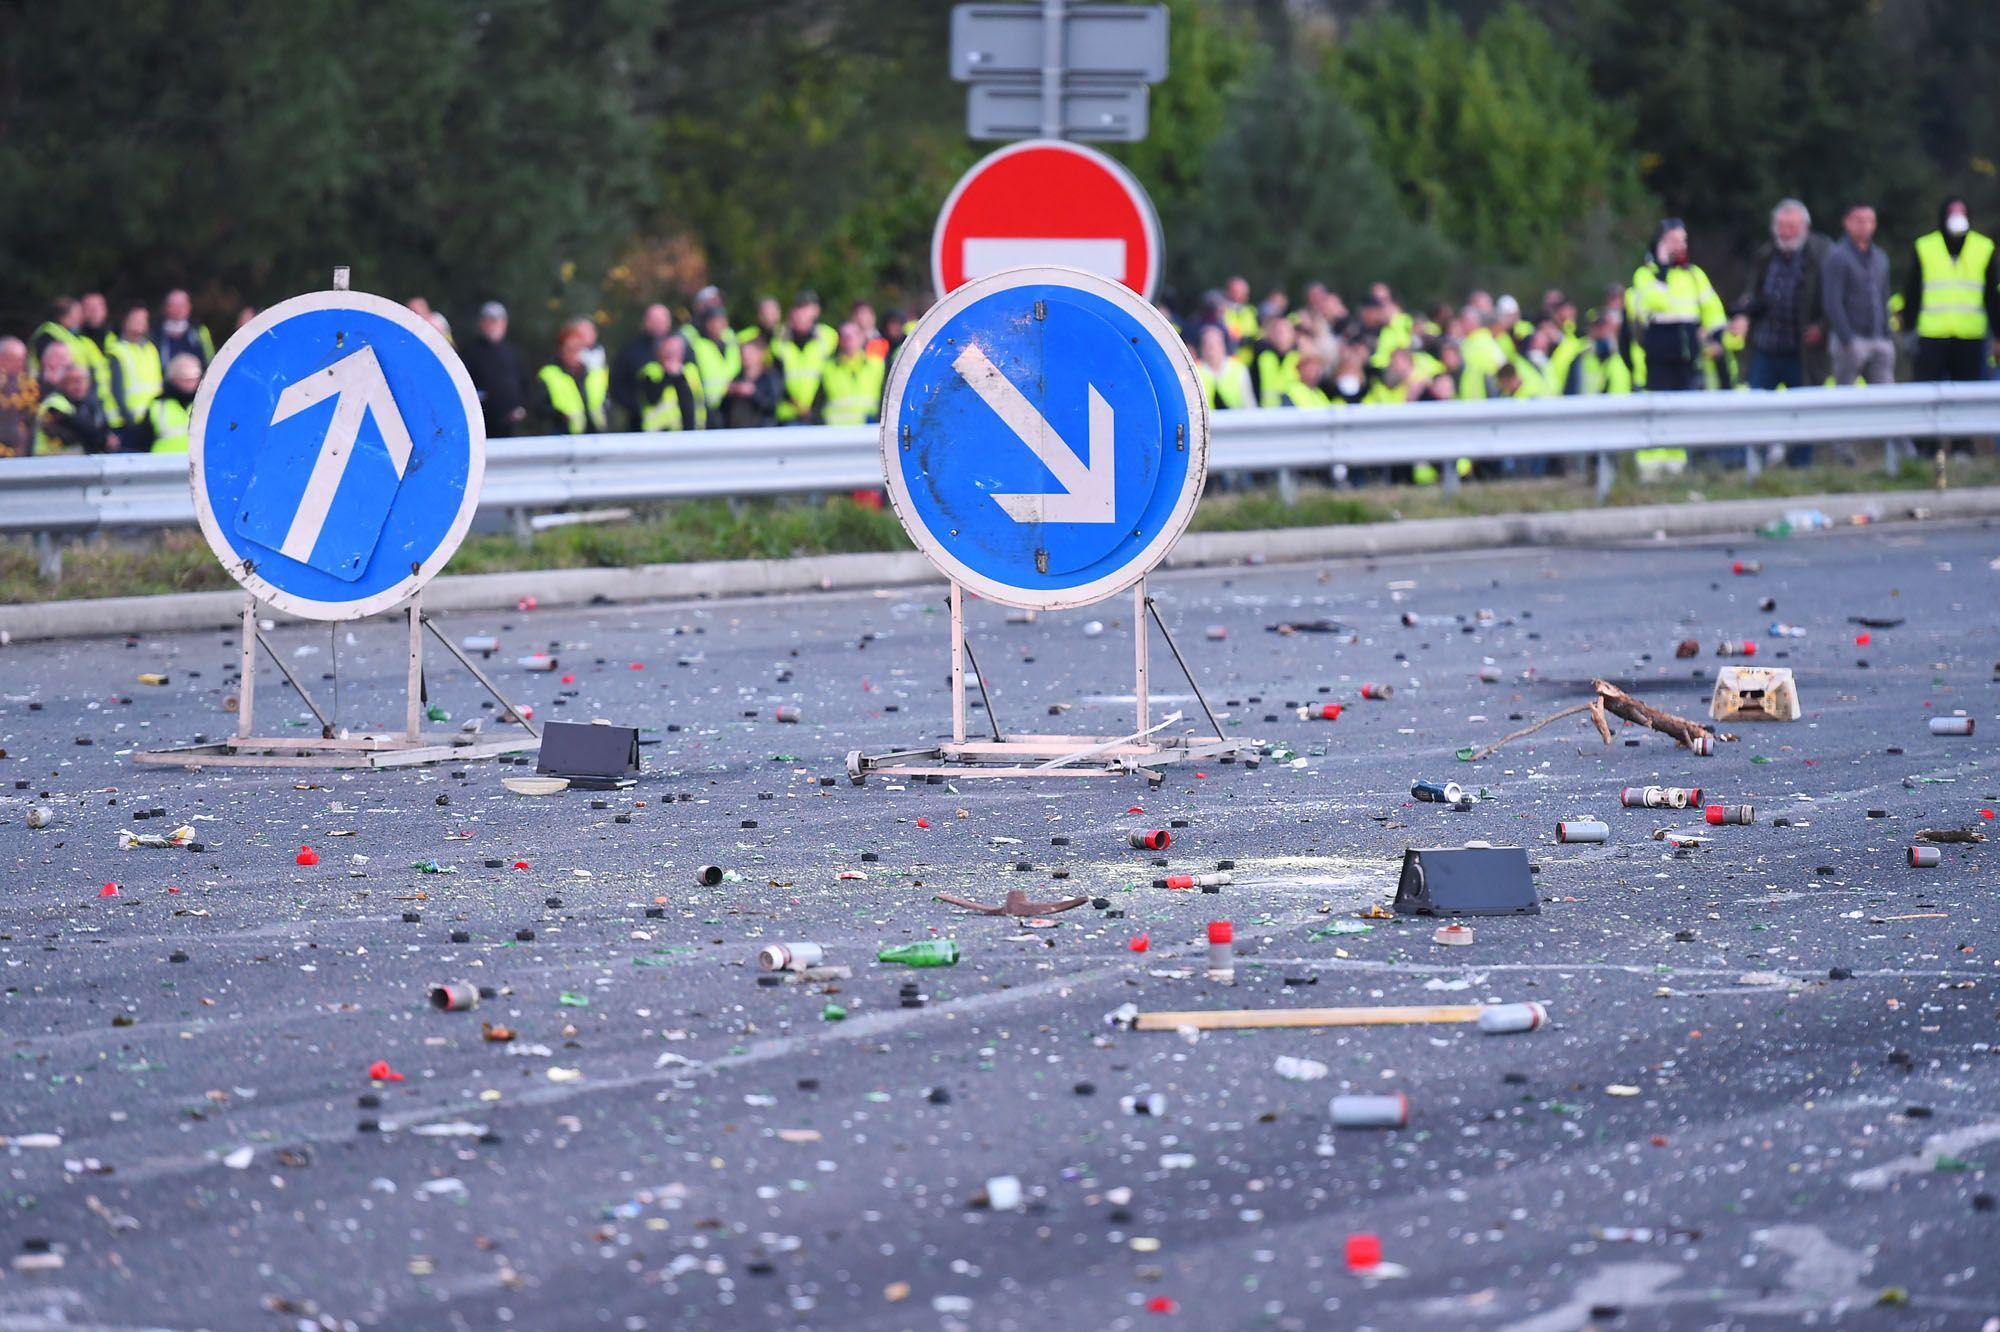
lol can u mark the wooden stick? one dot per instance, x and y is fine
(1230, 1019)
(1530, 730)
(1666, 723)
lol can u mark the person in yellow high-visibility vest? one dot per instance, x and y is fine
(140, 373)
(1224, 380)
(801, 351)
(1952, 298)
(670, 390)
(570, 394)
(1274, 361)
(1239, 317)
(169, 415)
(850, 387)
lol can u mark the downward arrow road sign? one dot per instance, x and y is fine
(1089, 489)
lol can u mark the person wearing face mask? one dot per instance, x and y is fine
(1952, 300)
(1673, 313)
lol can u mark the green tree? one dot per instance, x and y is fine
(1293, 194)
(443, 147)
(1494, 137)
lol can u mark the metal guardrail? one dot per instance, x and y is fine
(60, 495)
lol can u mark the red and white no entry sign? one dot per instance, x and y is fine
(1047, 202)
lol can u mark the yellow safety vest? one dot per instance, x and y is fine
(580, 415)
(141, 376)
(1274, 374)
(1298, 393)
(802, 367)
(1683, 296)
(719, 362)
(666, 413)
(47, 445)
(1954, 289)
(853, 389)
(1230, 388)
(170, 421)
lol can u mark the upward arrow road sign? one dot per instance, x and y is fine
(336, 454)
(1044, 437)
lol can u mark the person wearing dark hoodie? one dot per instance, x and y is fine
(1952, 300)
(1672, 313)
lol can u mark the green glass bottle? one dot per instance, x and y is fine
(928, 953)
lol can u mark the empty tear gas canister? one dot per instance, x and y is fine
(1221, 946)
(1659, 797)
(789, 956)
(1437, 793)
(708, 875)
(1505, 1019)
(1951, 726)
(1194, 881)
(1721, 814)
(454, 996)
(1370, 1111)
(1730, 647)
(1924, 857)
(537, 661)
(480, 643)
(1747, 567)
(1320, 712)
(1378, 691)
(1489, 674)
(1583, 830)
(1217, 632)
(788, 712)
(1153, 839)
(1704, 745)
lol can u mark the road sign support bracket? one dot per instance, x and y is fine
(1142, 751)
(413, 747)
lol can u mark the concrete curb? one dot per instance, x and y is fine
(737, 578)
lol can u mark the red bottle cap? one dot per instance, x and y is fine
(308, 856)
(1363, 1252)
(1714, 814)
(1221, 932)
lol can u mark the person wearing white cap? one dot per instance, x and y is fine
(497, 373)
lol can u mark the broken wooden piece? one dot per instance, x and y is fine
(1643, 714)
(1017, 904)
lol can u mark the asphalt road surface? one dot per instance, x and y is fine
(1769, 1095)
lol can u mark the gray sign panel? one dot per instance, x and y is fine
(1120, 43)
(1102, 111)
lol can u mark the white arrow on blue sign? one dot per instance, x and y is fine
(336, 453)
(1044, 437)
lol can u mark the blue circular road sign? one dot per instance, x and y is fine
(1044, 437)
(336, 454)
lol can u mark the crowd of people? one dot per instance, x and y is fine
(1815, 310)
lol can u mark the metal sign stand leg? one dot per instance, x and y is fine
(1056, 755)
(332, 750)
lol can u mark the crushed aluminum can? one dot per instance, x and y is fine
(1437, 793)
(1583, 830)
(1154, 839)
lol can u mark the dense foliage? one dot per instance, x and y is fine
(579, 157)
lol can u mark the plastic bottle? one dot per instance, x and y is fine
(925, 953)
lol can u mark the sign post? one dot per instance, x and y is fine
(1045, 441)
(336, 452)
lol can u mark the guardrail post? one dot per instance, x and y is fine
(1753, 462)
(1607, 471)
(48, 557)
(1288, 487)
(1449, 476)
(524, 531)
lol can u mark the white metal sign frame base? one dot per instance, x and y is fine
(1142, 751)
(412, 747)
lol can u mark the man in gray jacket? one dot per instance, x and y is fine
(1855, 283)
(1854, 280)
